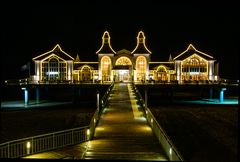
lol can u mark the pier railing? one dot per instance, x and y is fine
(26, 146)
(104, 99)
(46, 142)
(163, 138)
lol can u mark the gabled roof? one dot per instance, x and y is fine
(106, 47)
(57, 50)
(141, 46)
(123, 51)
(190, 51)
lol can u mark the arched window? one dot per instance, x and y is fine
(106, 68)
(86, 73)
(162, 73)
(194, 68)
(141, 65)
(123, 61)
(53, 69)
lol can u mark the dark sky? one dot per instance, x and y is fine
(32, 28)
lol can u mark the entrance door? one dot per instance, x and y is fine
(122, 76)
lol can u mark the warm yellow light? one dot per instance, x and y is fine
(151, 120)
(57, 46)
(143, 42)
(191, 47)
(106, 33)
(123, 61)
(28, 145)
(54, 56)
(162, 66)
(88, 132)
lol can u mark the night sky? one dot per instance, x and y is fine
(32, 28)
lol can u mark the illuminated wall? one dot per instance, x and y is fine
(211, 70)
(178, 70)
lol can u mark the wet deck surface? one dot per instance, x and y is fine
(122, 133)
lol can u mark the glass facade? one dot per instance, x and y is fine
(53, 69)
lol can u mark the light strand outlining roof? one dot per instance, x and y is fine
(106, 37)
(56, 47)
(191, 47)
(141, 39)
(53, 56)
(194, 55)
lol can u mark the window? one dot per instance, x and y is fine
(141, 65)
(106, 68)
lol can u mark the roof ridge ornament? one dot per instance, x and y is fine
(106, 42)
(141, 42)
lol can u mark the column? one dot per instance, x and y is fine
(26, 101)
(211, 93)
(37, 95)
(98, 107)
(221, 96)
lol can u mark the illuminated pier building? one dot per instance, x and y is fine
(124, 65)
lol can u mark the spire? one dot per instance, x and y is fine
(141, 46)
(106, 44)
(170, 58)
(77, 59)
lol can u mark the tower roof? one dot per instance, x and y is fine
(106, 47)
(141, 46)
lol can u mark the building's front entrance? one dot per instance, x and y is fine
(122, 75)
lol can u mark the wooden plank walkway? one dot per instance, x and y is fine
(122, 133)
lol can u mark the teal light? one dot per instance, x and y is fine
(221, 98)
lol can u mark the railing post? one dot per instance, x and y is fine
(72, 137)
(37, 94)
(146, 98)
(32, 145)
(53, 141)
(98, 109)
(8, 151)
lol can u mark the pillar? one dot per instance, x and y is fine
(26, 100)
(221, 96)
(79, 93)
(211, 93)
(98, 108)
(37, 95)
